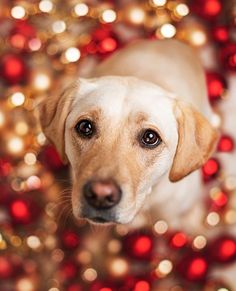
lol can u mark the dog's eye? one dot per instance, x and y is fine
(150, 138)
(85, 128)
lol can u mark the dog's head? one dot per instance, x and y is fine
(121, 135)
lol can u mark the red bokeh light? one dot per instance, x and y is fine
(221, 34)
(142, 286)
(5, 268)
(68, 270)
(13, 68)
(212, 7)
(228, 56)
(223, 249)
(210, 169)
(216, 85)
(142, 245)
(226, 144)
(179, 240)
(228, 249)
(70, 239)
(221, 199)
(108, 45)
(105, 289)
(197, 269)
(20, 211)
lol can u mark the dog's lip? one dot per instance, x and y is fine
(99, 220)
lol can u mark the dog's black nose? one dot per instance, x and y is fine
(102, 194)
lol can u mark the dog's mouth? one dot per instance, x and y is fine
(99, 220)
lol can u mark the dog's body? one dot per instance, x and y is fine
(153, 87)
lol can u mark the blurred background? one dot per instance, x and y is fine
(45, 44)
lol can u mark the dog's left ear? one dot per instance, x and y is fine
(197, 140)
(53, 112)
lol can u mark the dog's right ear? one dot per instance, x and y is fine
(53, 112)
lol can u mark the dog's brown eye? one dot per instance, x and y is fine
(150, 138)
(85, 128)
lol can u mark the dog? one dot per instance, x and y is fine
(135, 134)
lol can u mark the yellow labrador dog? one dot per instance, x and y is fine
(134, 132)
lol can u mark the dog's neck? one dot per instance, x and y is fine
(173, 202)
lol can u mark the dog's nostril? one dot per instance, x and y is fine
(102, 194)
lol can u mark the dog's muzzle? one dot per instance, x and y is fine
(100, 197)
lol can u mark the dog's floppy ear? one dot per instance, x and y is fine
(53, 112)
(197, 140)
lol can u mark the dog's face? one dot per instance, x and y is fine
(121, 135)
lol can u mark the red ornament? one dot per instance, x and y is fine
(20, 211)
(208, 9)
(193, 268)
(142, 285)
(139, 246)
(223, 249)
(104, 42)
(5, 167)
(226, 144)
(228, 56)
(216, 85)
(68, 270)
(70, 239)
(13, 68)
(211, 169)
(51, 159)
(178, 240)
(221, 199)
(6, 268)
(220, 34)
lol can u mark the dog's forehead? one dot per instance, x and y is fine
(115, 95)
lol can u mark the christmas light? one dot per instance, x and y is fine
(41, 81)
(168, 30)
(136, 15)
(158, 2)
(15, 145)
(164, 268)
(33, 242)
(119, 267)
(81, 9)
(41, 139)
(114, 246)
(21, 128)
(33, 182)
(34, 44)
(230, 217)
(160, 227)
(17, 99)
(25, 284)
(198, 37)
(199, 242)
(18, 12)
(58, 26)
(84, 257)
(182, 9)
(30, 158)
(90, 274)
(109, 16)
(45, 6)
(213, 218)
(72, 54)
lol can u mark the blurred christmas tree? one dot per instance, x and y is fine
(44, 44)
